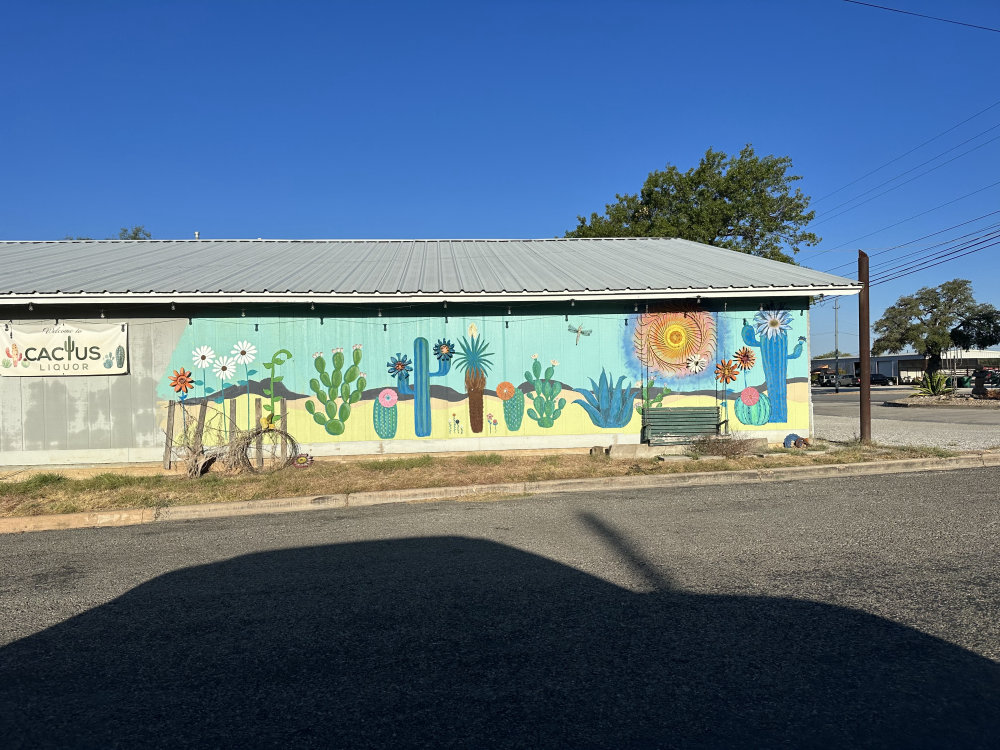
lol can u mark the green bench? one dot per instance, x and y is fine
(679, 424)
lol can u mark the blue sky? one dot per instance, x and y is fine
(404, 119)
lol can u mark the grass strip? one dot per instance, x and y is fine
(52, 492)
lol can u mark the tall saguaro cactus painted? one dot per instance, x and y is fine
(769, 332)
(400, 368)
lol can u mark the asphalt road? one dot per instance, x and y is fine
(851, 612)
(847, 404)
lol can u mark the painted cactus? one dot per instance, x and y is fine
(474, 360)
(769, 332)
(384, 414)
(400, 368)
(334, 390)
(546, 408)
(513, 405)
(120, 356)
(607, 405)
(752, 407)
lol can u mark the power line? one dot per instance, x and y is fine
(931, 265)
(915, 177)
(848, 243)
(914, 263)
(918, 239)
(921, 15)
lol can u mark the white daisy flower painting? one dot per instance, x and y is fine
(203, 357)
(225, 368)
(696, 363)
(772, 323)
(244, 352)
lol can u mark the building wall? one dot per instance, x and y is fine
(426, 377)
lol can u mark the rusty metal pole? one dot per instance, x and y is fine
(864, 350)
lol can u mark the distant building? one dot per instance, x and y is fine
(910, 368)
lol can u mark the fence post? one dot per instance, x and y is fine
(169, 446)
(260, 436)
(284, 429)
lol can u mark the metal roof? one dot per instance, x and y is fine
(371, 270)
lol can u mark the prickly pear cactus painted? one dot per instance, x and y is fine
(752, 407)
(513, 405)
(334, 392)
(769, 332)
(546, 408)
(120, 356)
(384, 414)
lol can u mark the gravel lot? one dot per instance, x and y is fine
(852, 612)
(837, 417)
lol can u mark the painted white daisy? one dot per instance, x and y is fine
(244, 352)
(772, 323)
(203, 357)
(696, 363)
(225, 368)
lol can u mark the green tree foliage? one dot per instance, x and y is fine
(743, 202)
(138, 232)
(924, 320)
(979, 331)
(832, 355)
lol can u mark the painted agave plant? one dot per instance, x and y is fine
(474, 360)
(607, 405)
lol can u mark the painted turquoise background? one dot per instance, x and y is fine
(510, 339)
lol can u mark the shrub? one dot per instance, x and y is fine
(934, 384)
(727, 447)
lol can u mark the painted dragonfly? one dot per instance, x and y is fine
(580, 331)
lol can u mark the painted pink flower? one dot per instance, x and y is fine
(387, 397)
(750, 396)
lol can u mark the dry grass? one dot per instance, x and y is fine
(58, 493)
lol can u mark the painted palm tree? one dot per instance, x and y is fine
(474, 360)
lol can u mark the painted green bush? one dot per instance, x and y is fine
(334, 390)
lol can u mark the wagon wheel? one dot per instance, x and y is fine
(269, 450)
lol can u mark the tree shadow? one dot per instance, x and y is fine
(457, 642)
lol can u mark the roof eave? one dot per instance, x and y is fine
(116, 298)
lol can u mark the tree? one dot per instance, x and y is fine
(833, 355)
(743, 202)
(925, 321)
(981, 330)
(138, 232)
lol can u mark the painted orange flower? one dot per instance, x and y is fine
(181, 380)
(726, 371)
(745, 358)
(505, 391)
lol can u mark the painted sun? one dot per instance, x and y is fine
(666, 342)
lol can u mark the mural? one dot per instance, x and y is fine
(598, 379)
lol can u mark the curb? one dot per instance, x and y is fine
(139, 516)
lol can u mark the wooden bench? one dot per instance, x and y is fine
(679, 424)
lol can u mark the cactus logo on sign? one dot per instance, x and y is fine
(43, 350)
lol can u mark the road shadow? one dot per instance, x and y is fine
(457, 642)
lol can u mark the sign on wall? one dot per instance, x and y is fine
(60, 349)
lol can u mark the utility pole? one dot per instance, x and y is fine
(865, 350)
(836, 344)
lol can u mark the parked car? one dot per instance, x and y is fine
(879, 378)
